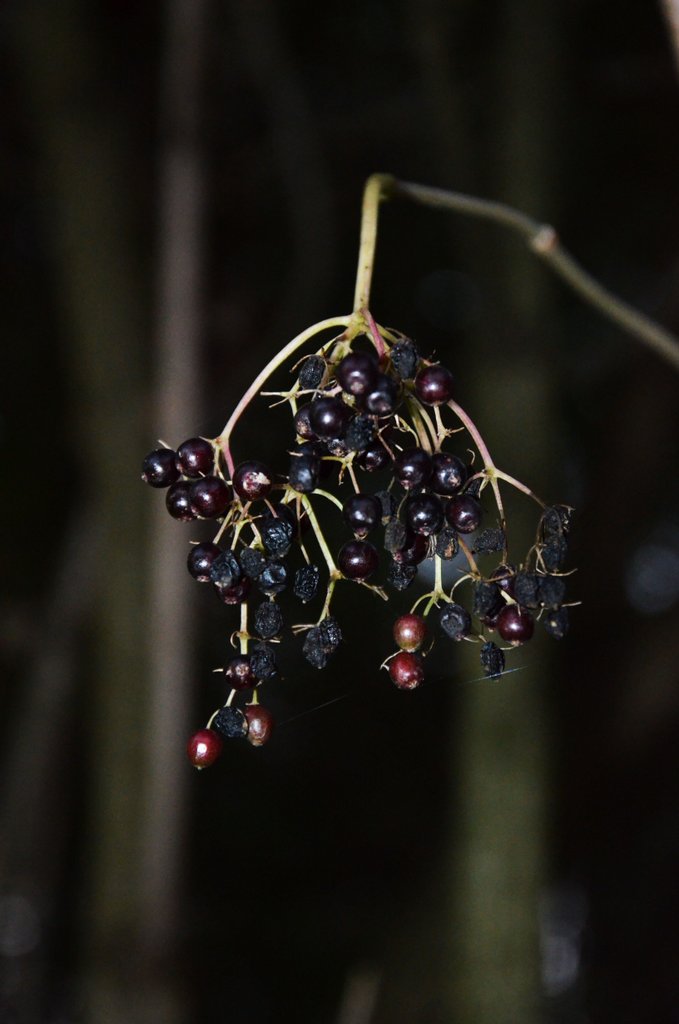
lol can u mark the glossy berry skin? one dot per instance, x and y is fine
(238, 673)
(210, 497)
(406, 670)
(464, 513)
(252, 480)
(424, 514)
(329, 417)
(515, 625)
(410, 631)
(373, 458)
(195, 457)
(382, 399)
(356, 374)
(449, 473)
(414, 550)
(412, 468)
(362, 513)
(303, 426)
(260, 724)
(199, 562)
(178, 501)
(358, 560)
(504, 576)
(434, 385)
(159, 468)
(204, 748)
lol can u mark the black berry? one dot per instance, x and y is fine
(434, 385)
(362, 513)
(210, 497)
(268, 620)
(329, 417)
(306, 583)
(357, 560)
(159, 468)
(273, 578)
(424, 514)
(195, 457)
(178, 501)
(356, 374)
(492, 660)
(200, 560)
(412, 468)
(404, 359)
(464, 513)
(312, 372)
(449, 473)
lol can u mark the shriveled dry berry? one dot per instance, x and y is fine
(404, 359)
(551, 591)
(238, 673)
(556, 623)
(492, 660)
(312, 372)
(306, 582)
(455, 621)
(225, 570)
(263, 661)
(252, 562)
(273, 579)
(276, 533)
(230, 723)
(446, 543)
(489, 541)
(401, 576)
(268, 621)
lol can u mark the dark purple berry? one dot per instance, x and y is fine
(515, 625)
(464, 513)
(210, 497)
(382, 399)
(178, 501)
(356, 374)
(230, 723)
(199, 562)
(410, 631)
(424, 514)
(260, 724)
(238, 673)
(414, 551)
(406, 670)
(303, 426)
(204, 748)
(373, 458)
(358, 560)
(449, 473)
(362, 513)
(195, 457)
(434, 385)
(252, 480)
(159, 468)
(412, 468)
(505, 576)
(455, 621)
(329, 417)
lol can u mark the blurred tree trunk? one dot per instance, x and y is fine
(88, 184)
(500, 768)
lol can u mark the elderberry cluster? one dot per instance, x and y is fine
(359, 414)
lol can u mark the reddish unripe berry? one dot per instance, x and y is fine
(515, 625)
(260, 724)
(204, 748)
(410, 631)
(406, 670)
(252, 480)
(434, 385)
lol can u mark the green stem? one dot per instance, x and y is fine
(327, 555)
(377, 187)
(224, 438)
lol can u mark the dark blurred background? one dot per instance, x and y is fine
(180, 187)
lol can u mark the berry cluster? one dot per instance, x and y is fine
(359, 413)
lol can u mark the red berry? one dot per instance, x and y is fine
(260, 724)
(252, 480)
(434, 385)
(204, 748)
(406, 670)
(515, 625)
(410, 631)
